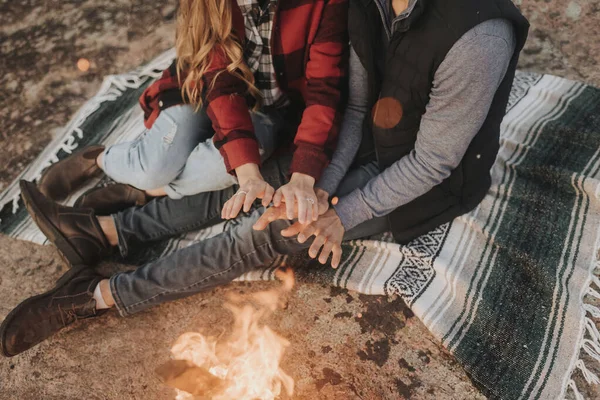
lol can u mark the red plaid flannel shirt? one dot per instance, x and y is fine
(309, 46)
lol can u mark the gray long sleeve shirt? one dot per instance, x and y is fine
(463, 89)
(351, 129)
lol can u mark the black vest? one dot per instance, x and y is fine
(404, 71)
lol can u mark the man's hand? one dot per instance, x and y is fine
(322, 200)
(329, 233)
(252, 187)
(300, 191)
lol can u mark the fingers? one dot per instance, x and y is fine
(316, 245)
(337, 256)
(322, 201)
(306, 232)
(277, 198)
(303, 210)
(238, 202)
(312, 207)
(288, 195)
(226, 209)
(293, 230)
(249, 198)
(315, 210)
(327, 248)
(263, 221)
(268, 196)
(268, 216)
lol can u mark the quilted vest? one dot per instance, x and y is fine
(401, 76)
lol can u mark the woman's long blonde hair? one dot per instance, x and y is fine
(203, 25)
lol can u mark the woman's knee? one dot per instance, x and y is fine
(154, 176)
(127, 164)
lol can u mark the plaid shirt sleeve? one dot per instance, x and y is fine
(317, 134)
(228, 110)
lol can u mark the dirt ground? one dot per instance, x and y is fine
(385, 354)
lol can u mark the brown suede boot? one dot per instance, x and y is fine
(39, 317)
(66, 176)
(111, 199)
(76, 232)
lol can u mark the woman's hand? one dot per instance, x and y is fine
(252, 187)
(275, 213)
(299, 191)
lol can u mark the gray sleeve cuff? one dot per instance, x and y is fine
(329, 181)
(353, 210)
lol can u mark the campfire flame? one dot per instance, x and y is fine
(244, 365)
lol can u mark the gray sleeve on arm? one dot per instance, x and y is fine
(463, 89)
(351, 129)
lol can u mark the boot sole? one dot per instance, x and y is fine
(66, 250)
(70, 274)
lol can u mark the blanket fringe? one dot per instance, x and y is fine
(589, 376)
(592, 329)
(592, 348)
(593, 310)
(593, 293)
(590, 342)
(576, 392)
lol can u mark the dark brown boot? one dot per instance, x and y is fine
(76, 232)
(39, 317)
(111, 199)
(68, 175)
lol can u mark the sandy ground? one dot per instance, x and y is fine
(335, 354)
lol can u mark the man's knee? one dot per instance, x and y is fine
(281, 244)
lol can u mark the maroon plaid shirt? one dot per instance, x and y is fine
(309, 46)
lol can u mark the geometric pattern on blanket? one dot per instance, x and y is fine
(505, 288)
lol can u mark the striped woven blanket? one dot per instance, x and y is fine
(509, 288)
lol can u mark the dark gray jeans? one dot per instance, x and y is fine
(215, 261)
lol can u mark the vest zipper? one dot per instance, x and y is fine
(383, 19)
(388, 33)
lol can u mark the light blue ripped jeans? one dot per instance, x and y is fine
(178, 155)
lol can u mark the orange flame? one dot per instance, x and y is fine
(244, 366)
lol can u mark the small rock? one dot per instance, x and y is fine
(573, 11)
(12, 85)
(169, 11)
(329, 377)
